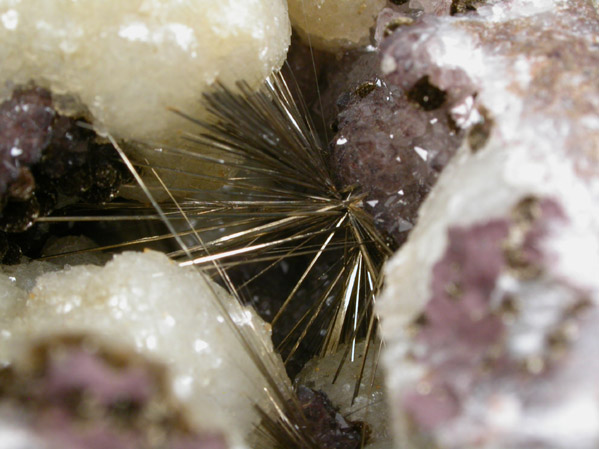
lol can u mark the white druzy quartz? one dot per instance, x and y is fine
(126, 62)
(145, 302)
(335, 24)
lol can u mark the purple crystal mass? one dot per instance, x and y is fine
(393, 144)
(46, 160)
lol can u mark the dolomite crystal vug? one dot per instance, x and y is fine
(146, 303)
(491, 308)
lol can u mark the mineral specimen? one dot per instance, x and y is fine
(335, 24)
(47, 160)
(370, 405)
(74, 393)
(329, 428)
(491, 308)
(146, 303)
(393, 144)
(122, 64)
(25, 132)
(391, 141)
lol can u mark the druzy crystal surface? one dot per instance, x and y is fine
(491, 308)
(146, 303)
(393, 145)
(124, 63)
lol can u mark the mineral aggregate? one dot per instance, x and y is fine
(327, 426)
(44, 155)
(122, 64)
(75, 393)
(334, 25)
(391, 141)
(146, 303)
(369, 406)
(491, 308)
(393, 144)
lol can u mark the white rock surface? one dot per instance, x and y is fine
(335, 24)
(146, 302)
(127, 61)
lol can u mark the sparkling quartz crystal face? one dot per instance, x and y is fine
(147, 303)
(490, 310)
(335, 24)
(124, 63)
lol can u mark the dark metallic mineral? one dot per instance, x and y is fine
(44, 157)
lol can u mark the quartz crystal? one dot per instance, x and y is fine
(491, 308)
(335, 24)
(122, 64)
(145, 302)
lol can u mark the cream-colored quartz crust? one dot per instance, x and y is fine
(146, 302)
(124, 63)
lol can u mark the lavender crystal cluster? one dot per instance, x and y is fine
(47, 161)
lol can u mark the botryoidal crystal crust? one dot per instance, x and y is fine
(145, 303)
(491, 308)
